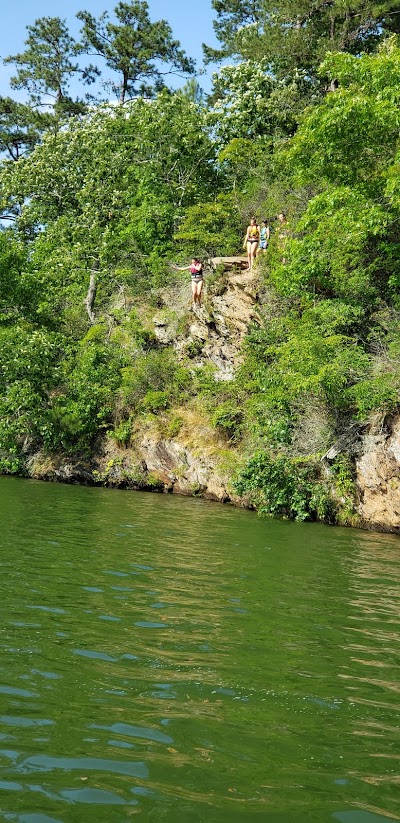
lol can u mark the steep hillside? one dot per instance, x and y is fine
(181, 451)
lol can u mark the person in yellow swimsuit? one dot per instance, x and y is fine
(251, 242)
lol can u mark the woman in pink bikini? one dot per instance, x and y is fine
(196, 271)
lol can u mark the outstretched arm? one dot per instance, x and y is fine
(180, 268)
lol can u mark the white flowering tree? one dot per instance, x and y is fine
(105, 195)
(241, 107)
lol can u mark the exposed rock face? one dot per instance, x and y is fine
(216, 330)
(190, 463)
(181, 471)
(59, 469)
(164, 330)
(378, 479)
(232, 312)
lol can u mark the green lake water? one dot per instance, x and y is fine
(172, 660)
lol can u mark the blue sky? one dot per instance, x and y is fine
(191, 23)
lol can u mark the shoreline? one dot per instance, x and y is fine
(81, 475)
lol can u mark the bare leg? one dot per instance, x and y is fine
(194, 292)
(199, 290)
(249, 253)
(253, 249)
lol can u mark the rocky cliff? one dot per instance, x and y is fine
(214, 332)
(378, 477)
(196, 460)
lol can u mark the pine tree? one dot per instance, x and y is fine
(295, 35)
(48, 63)
(134, 47)
(21, 127)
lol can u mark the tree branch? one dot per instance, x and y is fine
(91, 296)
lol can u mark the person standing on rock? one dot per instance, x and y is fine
(251, 242)
(265, 235)
(196, 272)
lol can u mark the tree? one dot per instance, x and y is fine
(133, 47)
(347, 242)
(21, 127)
(249, 103)
(101, 200)
(294, 37)
(48, 63)
(232, 16)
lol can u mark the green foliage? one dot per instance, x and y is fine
(155, 401)
(101, 210)
(228, 418)
(335, 252)
(241, 160)
(363, 114)
(194, 348)
(204, 383)
(294, 38)
(241, 95)
(83, 406)
(380, 392)
(211, 228)
(344, 475)
(173, 426)
(113, 194)
(343, 471)
(28, 360)
(133, 47)
(20, 127)
(250, 104)
(289, 488)
(18, 288)
(217, 281)
(12, 465)
(48, 63)
(123, 432)
(293, 359)
(131, 325)
(153, 382)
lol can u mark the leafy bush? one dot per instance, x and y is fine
(84, 402)
(154, 401)
(28, 372)
(123, 432)
(290, 488)
(228, 418)
(194, 348)
(291, 359)
(155, 380)
(378, 393)
(211, 228)
(173, 426)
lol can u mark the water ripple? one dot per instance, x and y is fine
(191, 662)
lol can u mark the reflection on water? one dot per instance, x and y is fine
(189, 662)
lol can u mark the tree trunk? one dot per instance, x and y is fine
(90, 297)
(124, 89)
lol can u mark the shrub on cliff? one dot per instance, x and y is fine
(289, 488)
